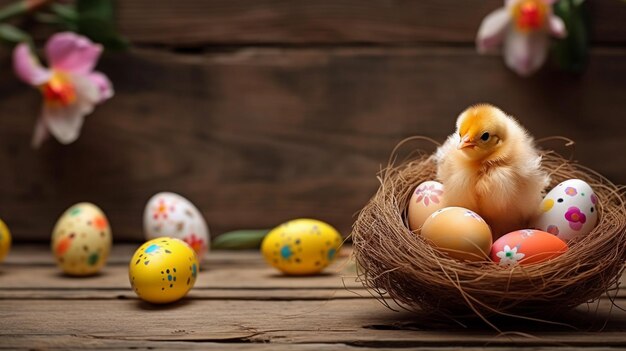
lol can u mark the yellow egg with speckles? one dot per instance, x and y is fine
(301, 246)
(163, 270)
(81, 240)
(5, 240)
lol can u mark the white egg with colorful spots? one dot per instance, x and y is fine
(169, 214)
(81, 240)
(569, 210)
(163, 270)
(301, 246)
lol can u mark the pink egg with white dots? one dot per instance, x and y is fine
(569, 210)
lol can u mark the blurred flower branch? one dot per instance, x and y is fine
(522, 29)
(92, 18)
(70, 86)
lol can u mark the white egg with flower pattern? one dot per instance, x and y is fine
(169, 214)
(426, 199)
(569, 210)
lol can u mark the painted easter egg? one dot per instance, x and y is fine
(301, 246)
(526, 246)
(5, 240)
(426, 199)
(169, 214)
(81, 240)
(163, 270)
(459, 232)
(569, 210)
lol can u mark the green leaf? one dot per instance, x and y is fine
(65, 12)
(102, 32)
(48, 18)
(13, 10)
(96, 21)
(11, 34)
(246, 239)
(102, 9)
(570, 53)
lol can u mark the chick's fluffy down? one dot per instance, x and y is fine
(505, 187)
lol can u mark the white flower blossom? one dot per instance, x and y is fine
(509, 256)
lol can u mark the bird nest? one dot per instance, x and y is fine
(395, 263)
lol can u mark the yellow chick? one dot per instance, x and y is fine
(491, 166)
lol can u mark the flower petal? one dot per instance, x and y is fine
(557, 27)
(70, 52)
(492, 30)
(40, 134)
(27, 66)
(65, 122)
(524, 53)
(104, 85)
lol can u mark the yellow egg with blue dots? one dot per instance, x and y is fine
(301, 246)
(5, 240)
(163, 270)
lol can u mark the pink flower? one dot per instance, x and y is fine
(524, 27)
(428, 193)
(70, 88)
(552, 229)
(575, 218)
(571, 191)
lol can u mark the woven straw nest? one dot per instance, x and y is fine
(395, 263)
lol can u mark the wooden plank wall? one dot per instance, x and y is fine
(262, 111)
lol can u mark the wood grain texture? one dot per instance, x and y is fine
(196, 23)
(58, 312)
(357, 322)
(86, 342)
(255, 137)
(116, 277)
(33, 267)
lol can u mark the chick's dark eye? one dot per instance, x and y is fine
(484, 137)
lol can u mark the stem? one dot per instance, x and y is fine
(13, 10)
(21, 7)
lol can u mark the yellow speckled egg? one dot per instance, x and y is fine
(81, 240)
(5, 240)
(459, 232)
(301, 246)
(163, 270)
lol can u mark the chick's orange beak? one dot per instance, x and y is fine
(466, 142)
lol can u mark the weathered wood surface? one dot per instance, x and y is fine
(58, 312)
(196, 24)
(222, 270)
(200, 22)
(258, 136)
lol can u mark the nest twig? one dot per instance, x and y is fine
(395, 263)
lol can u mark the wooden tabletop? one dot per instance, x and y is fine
(239, 302)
